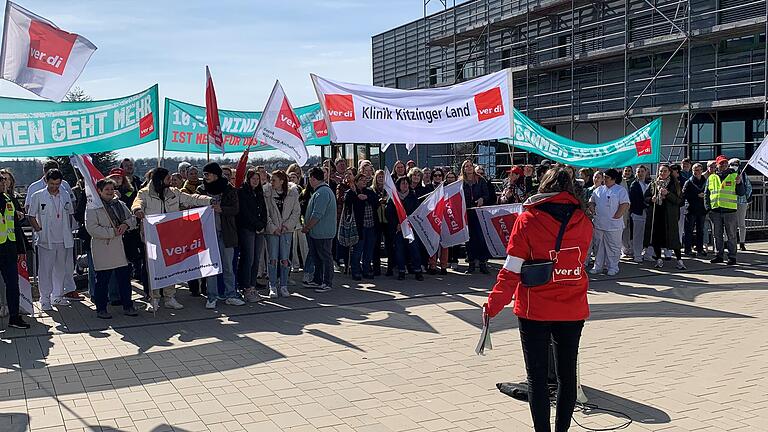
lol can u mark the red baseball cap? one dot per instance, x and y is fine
(720, 159)
(117, 171)
(516, 170)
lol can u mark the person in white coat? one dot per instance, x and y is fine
(51, 213)
(106, 225)
(608, 203)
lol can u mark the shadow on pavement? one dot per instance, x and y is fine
(637, 411)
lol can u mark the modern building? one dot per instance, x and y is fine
(594, 70)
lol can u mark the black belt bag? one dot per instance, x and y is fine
(534, 273)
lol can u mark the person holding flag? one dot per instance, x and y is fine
(402, 202)
(12, 248)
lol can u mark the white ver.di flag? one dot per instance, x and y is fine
(759, 159)
(181, 246)
(475, 110)
(454, 230)
(427, 219)
(39, 56)
(496, 223)
(91, 175)
(279, 127)
(402, 216)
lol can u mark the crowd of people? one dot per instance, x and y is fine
(336, 218)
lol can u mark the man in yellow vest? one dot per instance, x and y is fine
(12, 247)
(721, 200)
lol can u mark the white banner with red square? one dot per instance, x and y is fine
(181, 246)
(496, 223)
(475, 110)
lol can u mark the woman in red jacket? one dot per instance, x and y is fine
(557, 309)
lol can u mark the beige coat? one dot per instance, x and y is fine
(106, 247)
(291, 209)
(148, 201)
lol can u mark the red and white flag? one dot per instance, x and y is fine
(402, 216)
(215, 136)
(454, 230)
(428, 219)
(39, 56)
(91, 175)
(279, 127)
(25, 287)
(496, 223)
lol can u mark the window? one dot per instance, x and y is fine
(733, 135)
(702, 133)
(406, 82)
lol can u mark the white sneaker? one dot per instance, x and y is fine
(60, 302)
(680, 265)
(153, 305)
(613, 272)
(273, 292)
(284, 292)
(659, 263)
(172, 303)
(234, 301)
(211, 304)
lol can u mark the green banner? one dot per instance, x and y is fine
(640, 147)
(30, 128)
(185, 129)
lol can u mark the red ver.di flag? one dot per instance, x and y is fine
(39, 56)
(454, 230)
(402, 216)
(181, 246)
(279, 127)
(475, 110)
(428, 219)
(215, 135)
(496, 223)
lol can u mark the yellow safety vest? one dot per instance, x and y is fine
(722, 193)
(7, 225)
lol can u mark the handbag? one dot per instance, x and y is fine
(534, 273)
(347, 234)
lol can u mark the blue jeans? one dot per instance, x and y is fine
(322, 259)
(251, 245)
(103, 278)
(227, 274)
(363, 250)
(278, 251)
(410, 250)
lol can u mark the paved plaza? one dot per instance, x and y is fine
(676, 351)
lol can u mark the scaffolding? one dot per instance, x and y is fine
(581, 63)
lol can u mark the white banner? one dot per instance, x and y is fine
(427, 219)
(25, 287)
(454, 230)
(496, 223)
(280, 127)
(759, 159)
(91, 175)
(475, 110)
(181, 246)
(39, 56)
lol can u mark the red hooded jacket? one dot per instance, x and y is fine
(533, 236)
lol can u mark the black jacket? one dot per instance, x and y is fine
(637, 204)
(351, 201)
(253, 210)
(230, 208)
(410, 203)
(473, 192)
(691, 190)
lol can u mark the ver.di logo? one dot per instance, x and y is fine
(643, 147)
(340, 107)
(49, 47)
(489, 104)
(181, 238)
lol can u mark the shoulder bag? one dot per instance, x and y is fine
(534, 273)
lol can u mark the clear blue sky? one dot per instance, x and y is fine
(248, 44)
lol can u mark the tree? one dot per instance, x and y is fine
(103, 161)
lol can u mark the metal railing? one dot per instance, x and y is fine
(757, 214)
